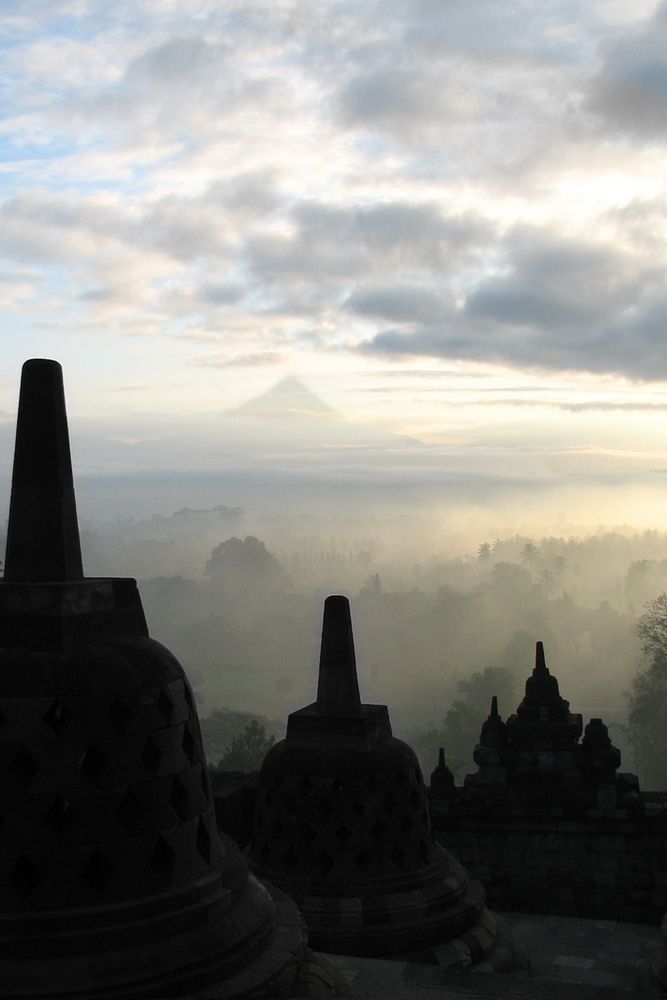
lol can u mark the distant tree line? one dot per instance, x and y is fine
(434, 640)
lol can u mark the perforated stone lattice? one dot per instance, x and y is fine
(98, 872)
(129, 811)
(147, 742)
(119, 714)
(57, 717)
(23, 767)
(61, 815)
(343, 827)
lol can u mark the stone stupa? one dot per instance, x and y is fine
(114, 880)
(343, 826)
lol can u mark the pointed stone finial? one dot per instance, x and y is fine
(442, 779)
(493, 728)
(338, 688)
(540, 662)
(43, 533)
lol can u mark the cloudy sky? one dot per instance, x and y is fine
(447, 218)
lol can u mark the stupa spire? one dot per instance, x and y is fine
(540, 661)
(338, 687)
(43, 533)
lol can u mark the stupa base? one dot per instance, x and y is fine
(262, 964)
(447, 907)
(274, 972)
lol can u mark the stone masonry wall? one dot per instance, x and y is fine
(610, 868)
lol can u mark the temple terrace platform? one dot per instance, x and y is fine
(569, 958)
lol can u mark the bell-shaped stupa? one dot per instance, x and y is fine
(343, 825)
(114, 881)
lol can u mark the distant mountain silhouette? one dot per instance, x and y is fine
(288, 398)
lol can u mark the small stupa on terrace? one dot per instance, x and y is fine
(343, 825)
(114, 881)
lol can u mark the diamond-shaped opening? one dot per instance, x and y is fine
(189, 699)
(98, 872)
(189, 745)
(358, 808)
(337, 786)
(93, 764)
(423, 852)
(291, 805)
(363, 860)
(165, 706)
(204, 842)
(342, 834)
(151, 755)
(24, 876)
(406, 824)
(290, 859)
(389, 804)
(119, 714)
(398, 857)
(178, 799)
(23, 766)
(307, 833)
(57, 718)
(378, 830)
(325, 809)
(59, 815)
(325, 862)
(163, 860)
(128, 811)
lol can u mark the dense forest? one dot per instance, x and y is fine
(436, 637)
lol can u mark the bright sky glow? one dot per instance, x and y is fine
(447, 218)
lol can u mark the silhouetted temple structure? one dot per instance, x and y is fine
(548, 822)
(343, 825)
(114, 880)
(442, 780)
(534, 762)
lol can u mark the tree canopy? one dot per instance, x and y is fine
(647, 711)
(242, 560)
(247, 750)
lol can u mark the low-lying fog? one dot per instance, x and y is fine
(454, 567)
